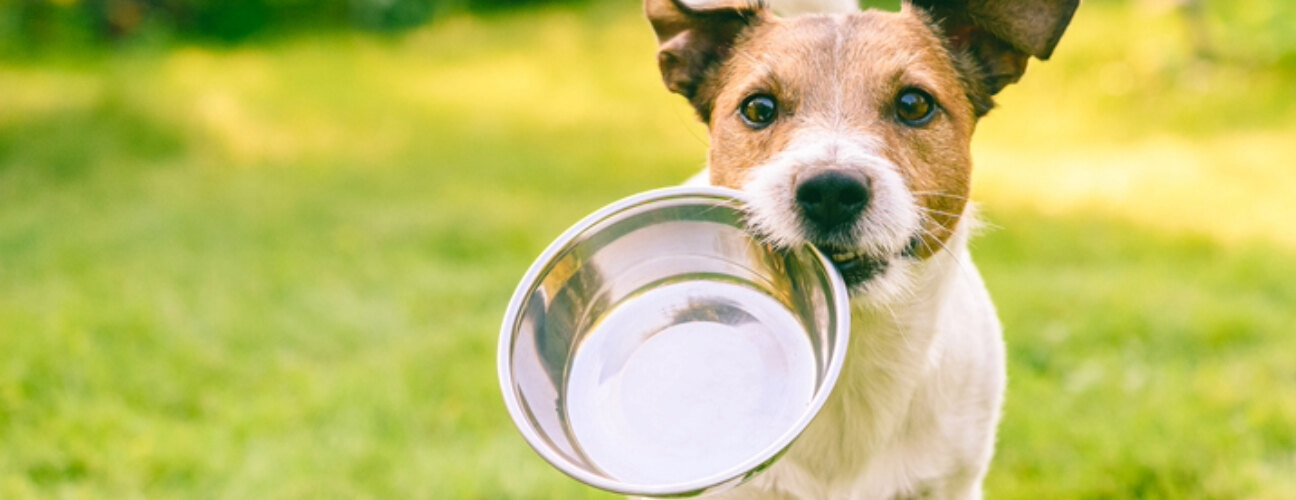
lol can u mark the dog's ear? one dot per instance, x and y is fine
(693, 41)
(999, 36)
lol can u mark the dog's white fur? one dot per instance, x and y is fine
(915, 410)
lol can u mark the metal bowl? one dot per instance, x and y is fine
(657, 348)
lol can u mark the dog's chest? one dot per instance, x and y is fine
(914, 411)
(879, 435)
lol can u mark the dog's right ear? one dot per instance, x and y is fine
(693, 41)
(1000, 37)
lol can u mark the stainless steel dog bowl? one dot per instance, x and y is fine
(656, 348)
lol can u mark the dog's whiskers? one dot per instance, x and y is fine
(939, 194)
(939, 212)
(966, 271)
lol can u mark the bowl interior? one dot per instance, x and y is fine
(659, 348)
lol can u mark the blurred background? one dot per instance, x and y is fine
(260, 248)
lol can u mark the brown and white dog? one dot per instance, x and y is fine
(851, 131)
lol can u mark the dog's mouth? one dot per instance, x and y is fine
(855, 266)
(858, 267)
(854, 262)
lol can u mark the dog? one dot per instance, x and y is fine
(851, 131)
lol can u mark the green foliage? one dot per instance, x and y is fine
(27, 25)
(276, 270)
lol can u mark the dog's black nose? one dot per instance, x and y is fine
(833, 198)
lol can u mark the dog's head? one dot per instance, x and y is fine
(851, 131)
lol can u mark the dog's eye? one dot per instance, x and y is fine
(758, 110)
(914, 107)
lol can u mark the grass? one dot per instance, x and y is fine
(277, 270)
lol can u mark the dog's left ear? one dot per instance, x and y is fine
(999, 36)
(693, 41)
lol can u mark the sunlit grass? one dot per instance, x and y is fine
(277, 270)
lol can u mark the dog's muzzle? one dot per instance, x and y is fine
(830, 203)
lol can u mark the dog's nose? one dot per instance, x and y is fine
(833, 198)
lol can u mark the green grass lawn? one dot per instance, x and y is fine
(277, 270)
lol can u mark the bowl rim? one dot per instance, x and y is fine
(842, 316)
